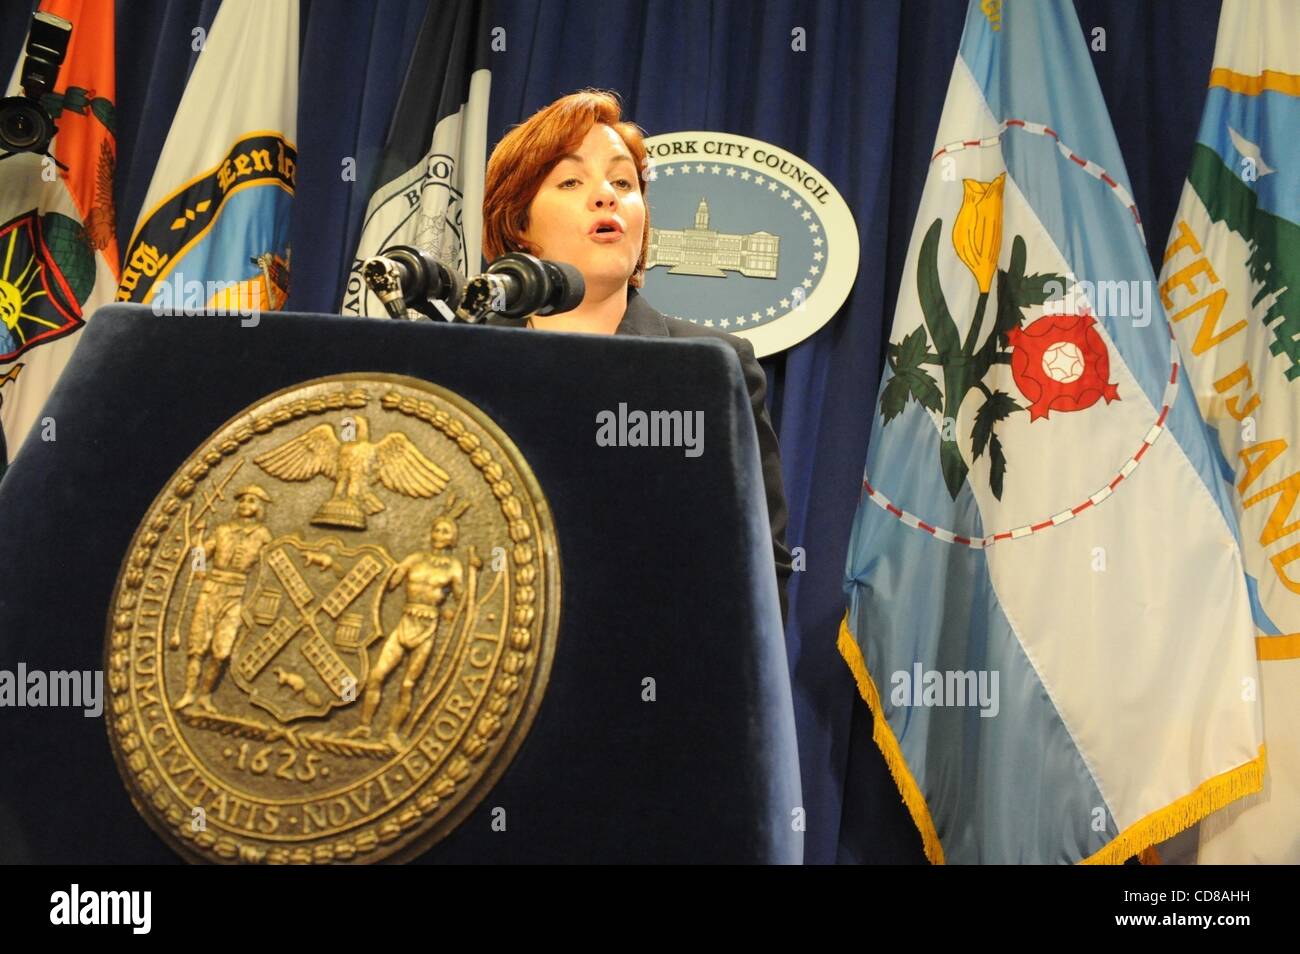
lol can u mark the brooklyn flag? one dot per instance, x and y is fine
(1231, 282)
(1047, 608)
(58, 251)
(430, 180)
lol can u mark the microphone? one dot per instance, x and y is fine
(403, 277)
(518, 284)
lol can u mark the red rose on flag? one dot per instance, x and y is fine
(1060, 363)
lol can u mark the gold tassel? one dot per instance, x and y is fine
(883, 736)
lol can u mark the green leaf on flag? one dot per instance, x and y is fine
(998, 407)
(893, 398)
(1036, 289)
(924, 388)
(911, 350)
(908, 382)
(998, 465)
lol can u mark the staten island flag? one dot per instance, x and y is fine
(1231, 284)
(58, 251)
(213, 232)
(1047, 609)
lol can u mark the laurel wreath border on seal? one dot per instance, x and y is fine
(519, 663)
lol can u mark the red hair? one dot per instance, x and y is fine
(529, 151)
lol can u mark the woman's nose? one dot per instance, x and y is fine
(604, 196)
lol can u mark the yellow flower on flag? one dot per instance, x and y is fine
(977, 230)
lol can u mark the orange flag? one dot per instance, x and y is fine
(58, 245)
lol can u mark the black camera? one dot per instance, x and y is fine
(26, 125)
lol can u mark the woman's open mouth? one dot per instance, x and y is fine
(606, 231)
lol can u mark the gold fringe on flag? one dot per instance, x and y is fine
(889, 748)
(1209, 796)
(1139, 838)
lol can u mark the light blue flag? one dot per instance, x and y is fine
(1047, 608)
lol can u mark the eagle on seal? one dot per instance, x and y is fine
(354, 466)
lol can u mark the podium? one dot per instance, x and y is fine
(665, 732)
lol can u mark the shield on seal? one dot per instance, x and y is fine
(312, 611)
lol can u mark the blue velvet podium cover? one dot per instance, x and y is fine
(666, 570)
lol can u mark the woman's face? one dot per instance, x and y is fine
(589, 212)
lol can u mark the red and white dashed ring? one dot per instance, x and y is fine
(1152, 435)
(1039, 129)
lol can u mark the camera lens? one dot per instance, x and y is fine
(20, 126)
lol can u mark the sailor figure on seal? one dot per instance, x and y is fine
(228, 556)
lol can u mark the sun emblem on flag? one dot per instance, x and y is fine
(1058, 362)
(46, 271)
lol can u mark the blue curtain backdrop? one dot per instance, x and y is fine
(861, 104)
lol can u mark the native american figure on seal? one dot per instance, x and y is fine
(427, 577)
(228, 556)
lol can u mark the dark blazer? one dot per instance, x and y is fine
(642, 319)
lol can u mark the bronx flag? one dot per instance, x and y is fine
(1231, 283)
(214, 227)
(1047, 611)
(58, 250)
(430, 177)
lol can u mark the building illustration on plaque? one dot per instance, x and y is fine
(703, 251)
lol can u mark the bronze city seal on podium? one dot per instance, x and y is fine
(333, 627)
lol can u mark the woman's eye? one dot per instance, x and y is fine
(623, 183)
(567, 182)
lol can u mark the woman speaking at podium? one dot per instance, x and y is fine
(568, 185)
